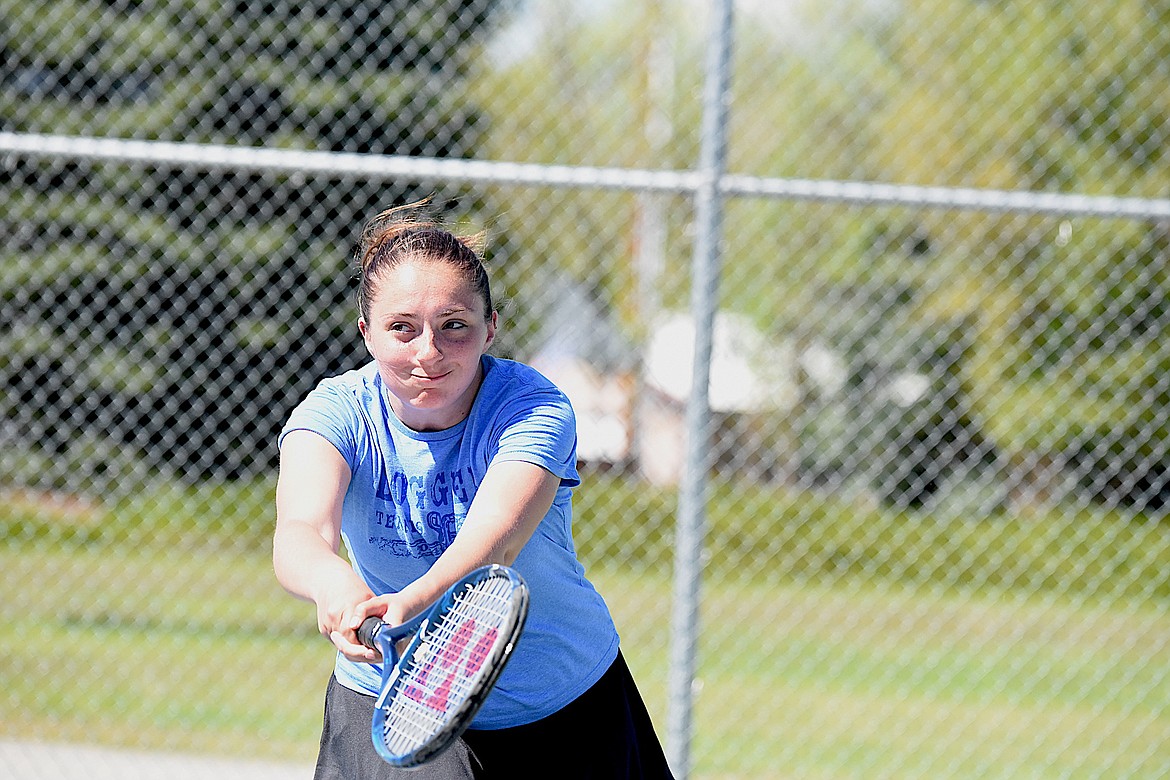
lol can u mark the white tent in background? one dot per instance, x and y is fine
(585, 354)
(749, 373)
(625, 417)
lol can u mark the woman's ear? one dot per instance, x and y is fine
(492, 325)
(364, 329)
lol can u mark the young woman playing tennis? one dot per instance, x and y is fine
(433, 459)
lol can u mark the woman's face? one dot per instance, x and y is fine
(427, 330)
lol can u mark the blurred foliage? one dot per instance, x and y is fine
(200, 264)
(1059, 322)
(909, 93)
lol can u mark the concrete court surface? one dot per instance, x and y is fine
(22, 760)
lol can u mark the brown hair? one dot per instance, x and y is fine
(406, 233)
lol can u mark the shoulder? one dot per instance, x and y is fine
(511, 377)
(516, 398)
(336, 404)
(356, 381)
(525, 417)
(357, 387)
(514, 391)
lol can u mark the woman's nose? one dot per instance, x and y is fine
(428, 346)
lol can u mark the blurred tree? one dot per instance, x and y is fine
(934, 92)
(166, 322)
(1062, 321)
(1072, 97)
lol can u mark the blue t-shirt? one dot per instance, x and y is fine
(409, 493)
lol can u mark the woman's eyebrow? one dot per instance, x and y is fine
(412, 315)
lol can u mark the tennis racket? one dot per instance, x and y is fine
(460, 645)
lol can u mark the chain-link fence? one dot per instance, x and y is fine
(917, 525)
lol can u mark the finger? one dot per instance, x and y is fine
(356, 619)
(352, 651)
(375, 607)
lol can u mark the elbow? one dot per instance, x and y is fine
(280, 563)
(507, 554)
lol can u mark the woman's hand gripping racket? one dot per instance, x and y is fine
(432, 692)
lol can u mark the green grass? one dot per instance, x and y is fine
(784, 536)
(161, 649)
(182, 640)
(858, 682)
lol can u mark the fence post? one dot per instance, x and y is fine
(704, 302)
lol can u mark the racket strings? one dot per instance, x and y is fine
(445, 668)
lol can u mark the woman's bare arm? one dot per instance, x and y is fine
(511, 501)
(309, 494)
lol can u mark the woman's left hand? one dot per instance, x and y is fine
(389, 608)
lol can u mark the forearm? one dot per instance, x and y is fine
(510, 503)
(465, 554)
(306, 564)
(309, 493)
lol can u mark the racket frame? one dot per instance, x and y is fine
(381, 636)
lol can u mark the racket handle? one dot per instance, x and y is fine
(369, 630)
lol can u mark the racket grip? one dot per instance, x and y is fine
(368, 630)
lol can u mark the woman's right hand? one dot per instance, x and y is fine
(336, 610)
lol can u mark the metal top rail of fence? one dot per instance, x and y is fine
(374, 167)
